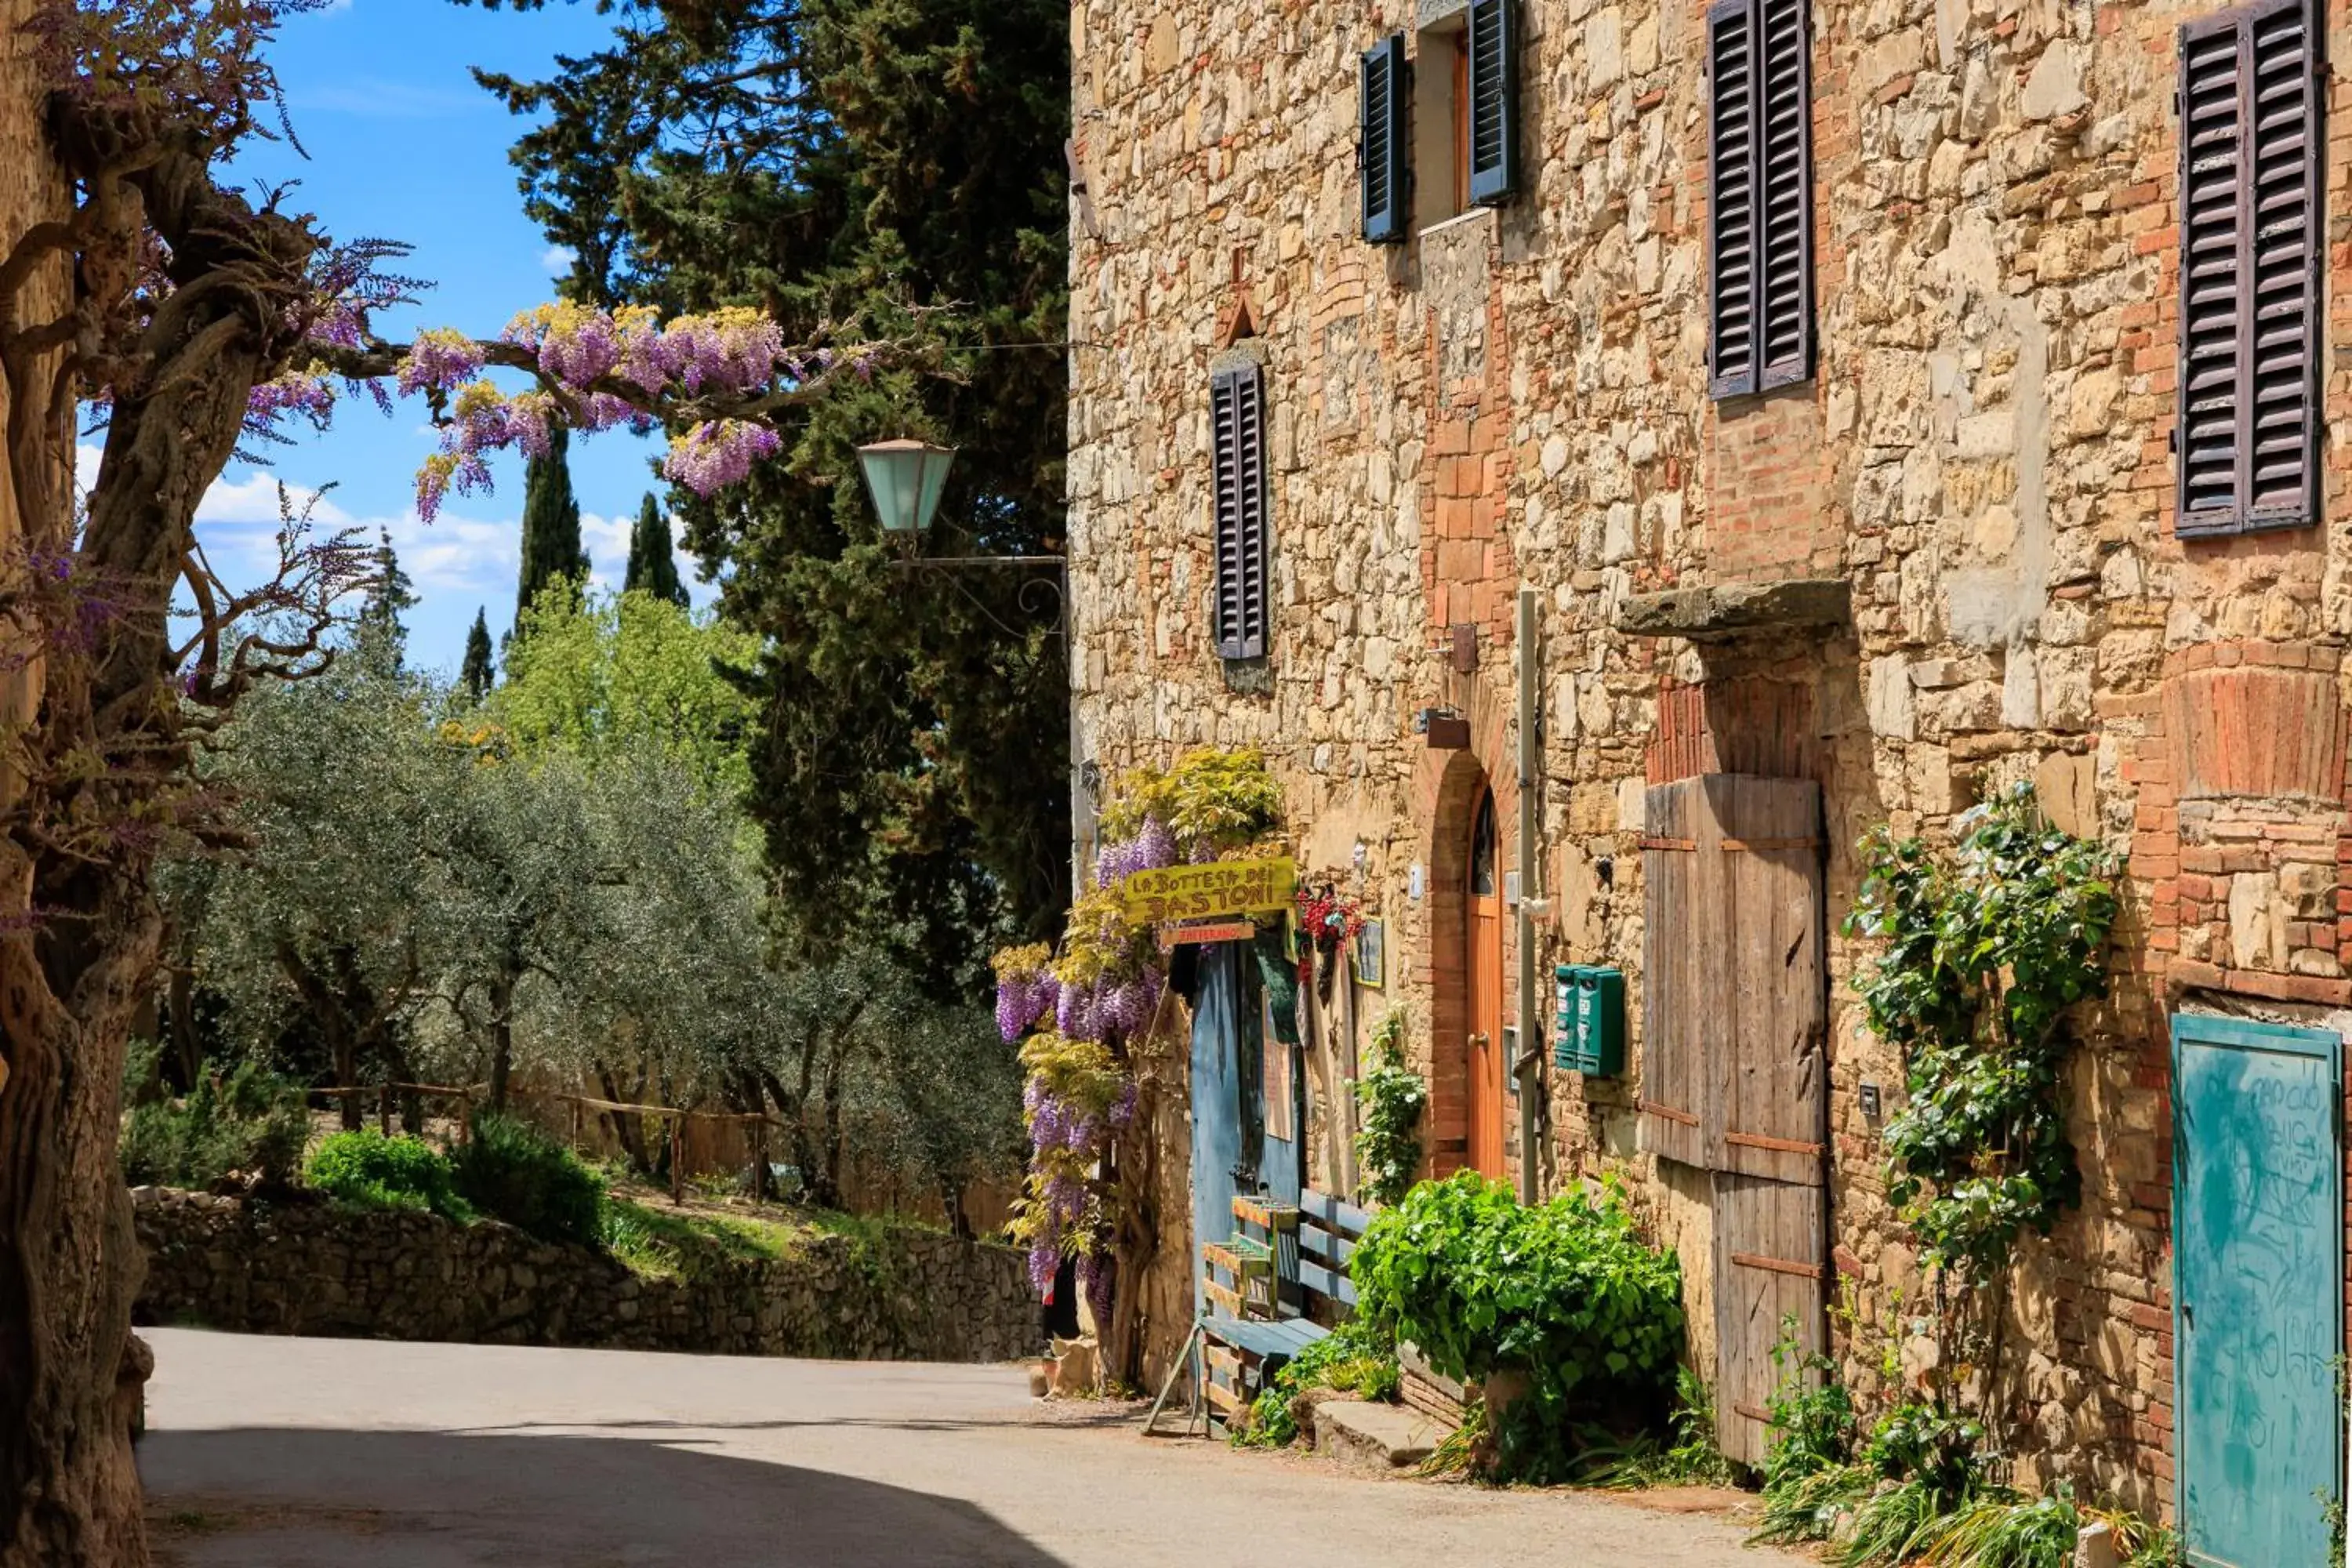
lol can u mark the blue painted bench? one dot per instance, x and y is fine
(1284, 1268)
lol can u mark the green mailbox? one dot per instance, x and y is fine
(1591, 1032)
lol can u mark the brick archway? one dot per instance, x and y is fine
(1450, 785)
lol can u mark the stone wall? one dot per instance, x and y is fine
(1518, 398)
(315, 1268)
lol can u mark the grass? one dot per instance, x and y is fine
(1811, 1507)
(665, 1243)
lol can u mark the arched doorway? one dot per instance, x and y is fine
(1482, 904)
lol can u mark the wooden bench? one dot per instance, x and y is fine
(1284, 1268)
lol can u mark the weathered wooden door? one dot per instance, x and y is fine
(2258, 1293)
(1733, 1075)
(1485, 951)
(1217, 1094)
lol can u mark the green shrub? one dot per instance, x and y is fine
(244, 1123)
(510, 1171)
(1691, 1457)
(1355, 1358)
(1387, 1149)
(1566, 1293)
(1811, 1415)
(368, 1170)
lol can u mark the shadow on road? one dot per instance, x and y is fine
(294, 1499)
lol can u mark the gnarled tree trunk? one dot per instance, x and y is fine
(69, 1266)
(90, 746)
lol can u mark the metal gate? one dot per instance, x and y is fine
(2258, 1291)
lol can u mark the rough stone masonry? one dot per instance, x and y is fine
(1518, 396)
(320, 1269)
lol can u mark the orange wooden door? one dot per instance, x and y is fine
(1485, 951)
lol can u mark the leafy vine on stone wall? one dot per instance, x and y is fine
(1987, 950)
(1388, 1147)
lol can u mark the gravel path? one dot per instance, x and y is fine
(272, 1453)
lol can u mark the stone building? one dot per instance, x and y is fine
(1832, 445)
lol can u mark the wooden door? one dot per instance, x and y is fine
(2258, 1300)
(1217, 1092)
(1772, 1262)
(1734, 1066)
(1483, 1046)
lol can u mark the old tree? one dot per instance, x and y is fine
(146, 297)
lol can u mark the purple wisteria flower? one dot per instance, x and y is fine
(440, 360)
(717, 454)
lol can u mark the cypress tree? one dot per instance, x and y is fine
(551, 525)
(476, 675)
(382, 635)
(653, 566)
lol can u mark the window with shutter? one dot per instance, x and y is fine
(2249, 260)
(1237, 441)
(1382, 151)
(1760, 195)
(1493, 107)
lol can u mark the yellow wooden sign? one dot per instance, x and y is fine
(1218, 888)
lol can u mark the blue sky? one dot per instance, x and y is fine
(404, 146)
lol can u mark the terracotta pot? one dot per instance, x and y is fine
(1501, 1390)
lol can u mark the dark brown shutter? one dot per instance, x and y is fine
(1785, 213)
(1237, 440)
(2249, 270)
(1494, 73)
(1732, 194)
(1760, 195)
(1386, 170)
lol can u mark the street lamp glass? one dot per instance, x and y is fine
(906, 480)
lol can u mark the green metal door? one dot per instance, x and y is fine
(2258, 1294)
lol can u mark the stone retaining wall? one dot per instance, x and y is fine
(314, 1268)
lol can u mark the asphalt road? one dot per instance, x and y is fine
(273, 1453)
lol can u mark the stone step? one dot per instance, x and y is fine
(1379, 1437)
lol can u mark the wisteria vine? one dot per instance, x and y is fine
(1082, 1010)
(714, 377)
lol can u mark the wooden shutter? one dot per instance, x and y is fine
(1238, 438)
(1387, 172)
(1735, 1012)
(1494, 73)
(1760, 195)
(1675, 986)
(2250, 269)
(1771, 1082)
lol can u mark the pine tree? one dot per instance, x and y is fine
(653, 566)
(551, 525)
(477, 673)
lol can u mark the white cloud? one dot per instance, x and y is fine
(454, 554)
(254, 499)
(606, 540)
(557, 260)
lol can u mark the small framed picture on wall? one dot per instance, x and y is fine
(1371, 957)
(1278, 1085)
